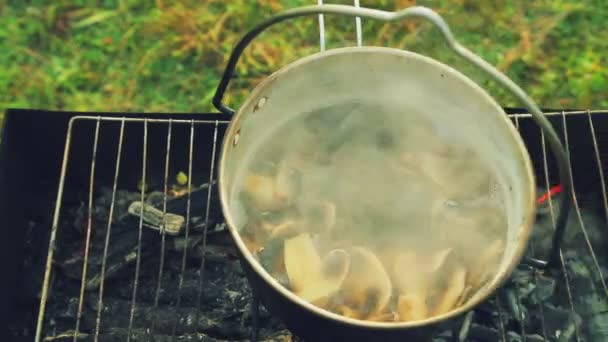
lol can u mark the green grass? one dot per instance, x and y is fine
(167, 56)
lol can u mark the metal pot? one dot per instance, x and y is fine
(385, 79)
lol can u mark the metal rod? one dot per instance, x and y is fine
(580, 217)
(321, 28)
(149, 120)
(463, 334)
(49, 258)
(185, 121)
(501, 323)
(207, 210)
(520, 317)
(358, 26)
(599, 163)
(535, 277)
(88, 231)
(108, 231)
(162, 227)
(187, 233)
(553, 223)
(142, 198)
(574, 112)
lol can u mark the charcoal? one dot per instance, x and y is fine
(212, 252)
(574, 238)
(556, 318)
(141, 335)
(589, 298)
(223, 321)
(224, 309)
(514, 337)
(543, 289)
(216, 249)
(514, 306)
(165, 319)
(483, 333)
(597, 327)
(119, 334)
(122, 200)
(222, 283)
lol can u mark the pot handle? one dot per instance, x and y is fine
(431, 16)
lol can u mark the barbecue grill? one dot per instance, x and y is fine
(132, 278)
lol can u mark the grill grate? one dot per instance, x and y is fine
(505, 304)
(98, 121)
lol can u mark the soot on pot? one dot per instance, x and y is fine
(374, 216)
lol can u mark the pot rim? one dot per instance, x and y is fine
(499, 278)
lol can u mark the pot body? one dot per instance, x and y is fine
(377, 81)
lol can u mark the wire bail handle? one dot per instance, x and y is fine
(434, 18)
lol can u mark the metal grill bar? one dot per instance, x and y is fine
(53, 237)
(358, 29)
(321, 28)
(567, 113)
(109, 230)
(358, 26)
(599, 163)
(561, 254)
(88, 233)
(533, 253)
(520, 317)
(207, 208)
(579, 216)
(187, 232)
(162, 227)
(144, 162)
(501, 322)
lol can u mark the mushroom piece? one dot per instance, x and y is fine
(348, 312)
(486, 263)
(439, 259)
(367, 287)
(285, 229)
(313, 278)
(390, 316)
(322, 216)
(287, 182)
(458, 174)
(414, 277)
(261, 191)
(334, 268)
(466, 295)
(411, 307)
(452, 293)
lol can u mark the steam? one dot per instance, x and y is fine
(396, 182)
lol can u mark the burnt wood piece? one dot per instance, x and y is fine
(123, 246)
(198, 205)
